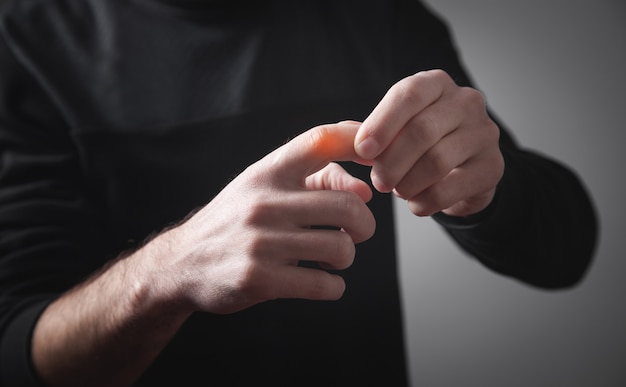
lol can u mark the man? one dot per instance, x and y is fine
(132, 254)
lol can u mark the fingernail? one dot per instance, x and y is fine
(367, 149)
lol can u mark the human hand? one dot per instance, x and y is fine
(243, 247)
(432, 143)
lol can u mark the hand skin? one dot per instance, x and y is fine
(432, 143)
(241, 249)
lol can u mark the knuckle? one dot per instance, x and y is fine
(438, 75)
(418, 207)
(424, 129)
(344, 251)
(260, 211)
(348, 203)
(370, 228)
(438, 199)
(318, 288)
(472, 98)
(435, 77)
(323, 287)
(410, 89)
(318, 137)
(432, 200)
(492, 131)
(248, 281)
(437, 162)
(402, 191)
(497, 162)
(259, 246)
(407, 90)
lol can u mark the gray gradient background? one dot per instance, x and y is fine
(553, 70)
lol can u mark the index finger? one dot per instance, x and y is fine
(314, 149)
(403, 101)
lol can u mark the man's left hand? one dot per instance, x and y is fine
(432, 143)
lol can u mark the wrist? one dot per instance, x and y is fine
(156, 287)
(108, 329)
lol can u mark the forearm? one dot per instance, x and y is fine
(108, 330)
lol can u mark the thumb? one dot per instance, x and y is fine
(334, 177)
(312, 150)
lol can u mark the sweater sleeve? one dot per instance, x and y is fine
(541, 228)
(46, 228)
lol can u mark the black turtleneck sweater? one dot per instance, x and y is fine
(119, 117)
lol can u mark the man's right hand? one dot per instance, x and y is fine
(243, 248)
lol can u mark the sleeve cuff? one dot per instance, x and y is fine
(16, 368)
(470, 221)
